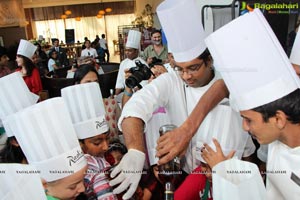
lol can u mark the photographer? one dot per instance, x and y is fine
(156, 71)
(194, 72)
(156, 50)
(132, 53)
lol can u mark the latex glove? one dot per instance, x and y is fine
(129, 172)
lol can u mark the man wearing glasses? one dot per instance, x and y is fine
(188, 96)
(179, 93)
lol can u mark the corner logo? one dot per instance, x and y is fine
(271, 8)
(245, 8)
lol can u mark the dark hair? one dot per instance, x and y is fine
(103, 35)
(82, 71)
(87, 41)
(38, 45)
(117, 146)
(289, 104)
(11, 153)
(83, 140)
(51, 53)
(155, 31)
(54, 40)
(205, 56)
(39, 49)
(3, 51)
(28, 64)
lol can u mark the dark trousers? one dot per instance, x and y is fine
(107, 55)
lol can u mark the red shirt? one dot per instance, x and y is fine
(193, 187)
(33, 82)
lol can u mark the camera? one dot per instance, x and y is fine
(139, 73)
(155, 61)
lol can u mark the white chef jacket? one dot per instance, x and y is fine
(282, 162)
(126, 64)
(159, 118)
(169, 91)
(192, 96)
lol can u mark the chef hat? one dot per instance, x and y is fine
(85, 104)
(133, 39)
(7, 125)
(235, 179)
(181, 22)
(295, 53)
(20, 182)
(15, 96)
(225, 125)
(252, 62)
(48, 139)
(26, 49)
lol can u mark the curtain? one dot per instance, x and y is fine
(112, 23)
(86, 27)
(50, 29)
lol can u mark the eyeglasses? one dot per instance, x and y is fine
(190, 71)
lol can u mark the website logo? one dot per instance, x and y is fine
(270, 8)
(245, 8)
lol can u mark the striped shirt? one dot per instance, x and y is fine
(95, 181)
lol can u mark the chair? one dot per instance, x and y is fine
(109, 78)
(54, 85)
(61, 72)
(108, 67)
(107, 81)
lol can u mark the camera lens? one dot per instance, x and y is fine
(139, 73)
(131, 82)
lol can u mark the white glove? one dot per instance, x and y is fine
(130, 169)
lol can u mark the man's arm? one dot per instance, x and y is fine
(128, 92)
(133, 131)
(128, 172)
(176, 141)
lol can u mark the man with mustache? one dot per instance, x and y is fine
(157, 49)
